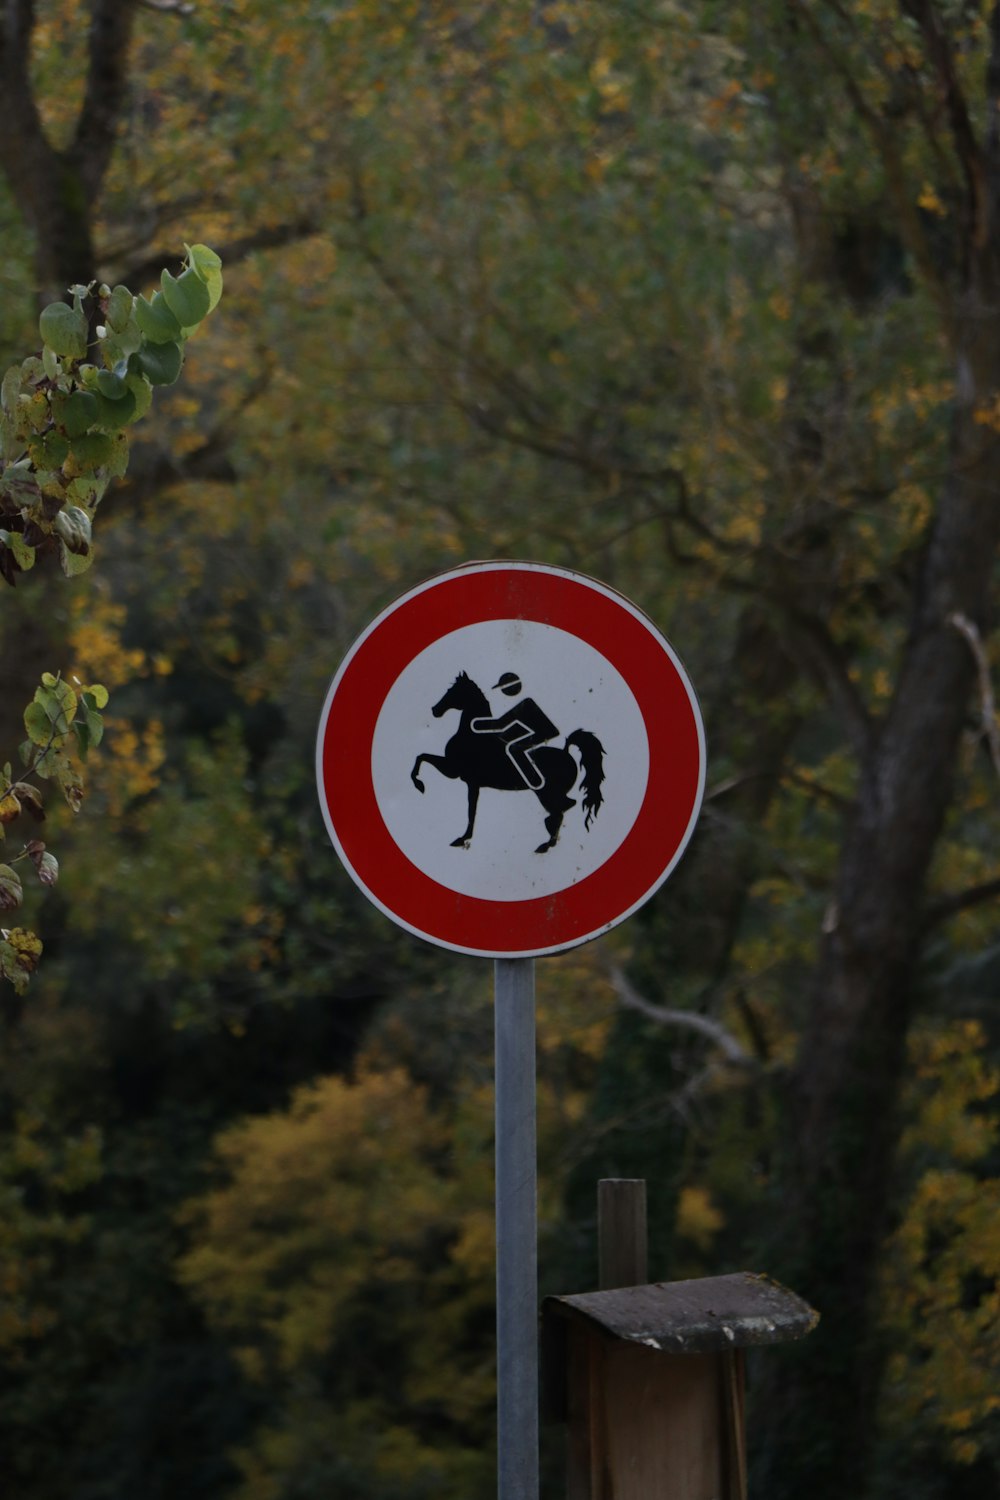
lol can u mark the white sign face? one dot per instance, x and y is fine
(577, 688)
(510, 759)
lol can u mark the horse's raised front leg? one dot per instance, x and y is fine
(437, 761)
(463, 842)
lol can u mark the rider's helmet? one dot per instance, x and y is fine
(509, 683)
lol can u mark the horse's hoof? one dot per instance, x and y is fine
(544, 848)
(460, 843)
(418, 784)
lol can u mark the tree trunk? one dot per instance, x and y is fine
(57, 191)
(816, 1422)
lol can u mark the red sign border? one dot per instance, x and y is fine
(612, 625)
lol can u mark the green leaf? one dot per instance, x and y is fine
(204, 260)
(74, 563)
(35, 411)
(156, 320)
(31, 798)
(11, 389)
(46, 865)
(52, 486)
(118, 459)
(76, 412)
(49, 451)
(73, 525)
(15, 964)
(91, 450)
(51, 711)
(161, 363)
(87, 734)
(118, 346)
(11, 445)
(90, 721)
(110, 385)
(96, 695)
(64, 330)
(208, 265)
(68, 779)
(26, 945)
(187, 297)
(11, 890)
(24, 554)
(87, 492)
(38, 724)
(119, 309)
(119, 412)
(142, 391)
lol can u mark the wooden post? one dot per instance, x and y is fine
(621, 1232)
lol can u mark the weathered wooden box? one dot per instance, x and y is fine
(650, 1382)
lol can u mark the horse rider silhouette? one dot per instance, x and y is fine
(522, 728)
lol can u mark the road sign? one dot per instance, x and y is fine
(510, 760)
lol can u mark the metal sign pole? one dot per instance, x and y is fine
(516, 1231)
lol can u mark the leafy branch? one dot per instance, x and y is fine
(64, 420)
(64, 413)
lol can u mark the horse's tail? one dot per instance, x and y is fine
(592, 759)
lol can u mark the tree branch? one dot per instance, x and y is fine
(816, 789)
(902, 198)
(815, 651)
(531, 427)
(108, 40)
(949, 906)
(794, 778)
(26, 154)
(993, 94)
(990, 728)
(939, 54)
(269, 237)
(159, 467)
(15, 36)
(686, 1020)
(820, 655)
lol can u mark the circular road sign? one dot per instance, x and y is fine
(500, 678)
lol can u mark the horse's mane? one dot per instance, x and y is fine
(465, 680)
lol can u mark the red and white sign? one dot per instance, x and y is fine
(501, 678)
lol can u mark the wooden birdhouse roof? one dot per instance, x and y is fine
(693, 1317)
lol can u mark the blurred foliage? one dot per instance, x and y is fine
(662, 292)
(944, 1258)
(348, 1251)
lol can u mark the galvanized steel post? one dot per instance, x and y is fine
(516, 1230)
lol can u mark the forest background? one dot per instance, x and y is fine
(702, 300)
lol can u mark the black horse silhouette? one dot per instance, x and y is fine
(481, 760)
